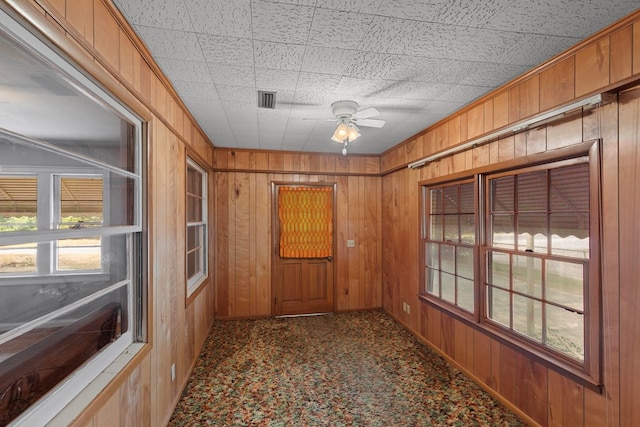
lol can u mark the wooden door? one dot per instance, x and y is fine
(303, 282)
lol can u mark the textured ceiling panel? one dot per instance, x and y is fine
(416, 61)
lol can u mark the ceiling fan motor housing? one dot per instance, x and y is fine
(345, 108)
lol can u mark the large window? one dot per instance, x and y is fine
(71, 250)
(530, 276)
(196, 226)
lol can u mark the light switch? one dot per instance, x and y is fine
(351, 243)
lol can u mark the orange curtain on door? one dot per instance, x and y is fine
(306, 222)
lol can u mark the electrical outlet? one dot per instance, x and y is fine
(404, 306)
(351, 243)
(173, 372)
(408, 310)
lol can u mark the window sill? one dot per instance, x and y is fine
(564, 368)
(110, 377)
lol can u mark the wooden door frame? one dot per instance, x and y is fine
(275, 233)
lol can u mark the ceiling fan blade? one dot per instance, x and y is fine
(372, 123)
(365, 114)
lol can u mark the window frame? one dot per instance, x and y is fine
(589, 372)
(194, 283)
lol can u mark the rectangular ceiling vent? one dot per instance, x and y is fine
(266, 99)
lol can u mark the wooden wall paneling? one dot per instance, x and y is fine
(494, 152)
(636, 48)
(506, 148)
(354, 209)
(79, 13)
(434, 328)
(464, 131)
(242, 159)
(592, 67)
(481, 355)
(566, 401)
(507, 382)
(496, 363)
(222, 208)
(441, 137)
(514, 113)
(370, 237)
(520, 145)
(480, 156)
(557, 84)
(447, 335)
(253, 213)
(529, 99)
(126, 58)
(476, 122)
(629, 235)
(241, 245)
(459, 162)
(276, 161)
(106, 34)
(488, 115)
(453, 133)
(531, 388)
(141, 76)
(388, 243)
(231, 244)
(263, 244)
(620, 51)
(501, 110)
(341, 260)
(536, 140)
(108, 413)
(567, 131)
(460, 350)
(365, 242)
(59, 6)
(470, 350)
(130, 405)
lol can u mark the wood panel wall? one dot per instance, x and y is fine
(243, 214)
(610, 61)
(94, 34)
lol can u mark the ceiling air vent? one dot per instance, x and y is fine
(266, 99)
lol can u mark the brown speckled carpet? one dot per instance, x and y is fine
(347, 369)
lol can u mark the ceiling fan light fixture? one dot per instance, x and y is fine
(341, 132)
(352, 132)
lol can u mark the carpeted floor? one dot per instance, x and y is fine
(348, 369)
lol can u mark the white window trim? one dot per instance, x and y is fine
(194, 282)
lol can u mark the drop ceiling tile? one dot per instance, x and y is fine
(412, 90)
(531, 49)
(463, 94)
(326, 60)
(273, 80)
(358, 87)
(278, 56)
(419, 10)
(224, 18)
(226, 50)
(469, 13)
(185, 70)
(283, 23)
(317, 82)
(195, 89)
(171, 43)
(370, 65)
(561, 18)
(230, 75)
(343, 30)
(167, 14)
(363, 6)
(489, 74)
(237, 95)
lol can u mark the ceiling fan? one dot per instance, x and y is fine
(349, 118)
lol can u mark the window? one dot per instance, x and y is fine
(196, 226)
(450, 244)
(71, 249)
(532, 277)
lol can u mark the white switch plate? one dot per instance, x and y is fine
(351, 243)
(173, 372)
